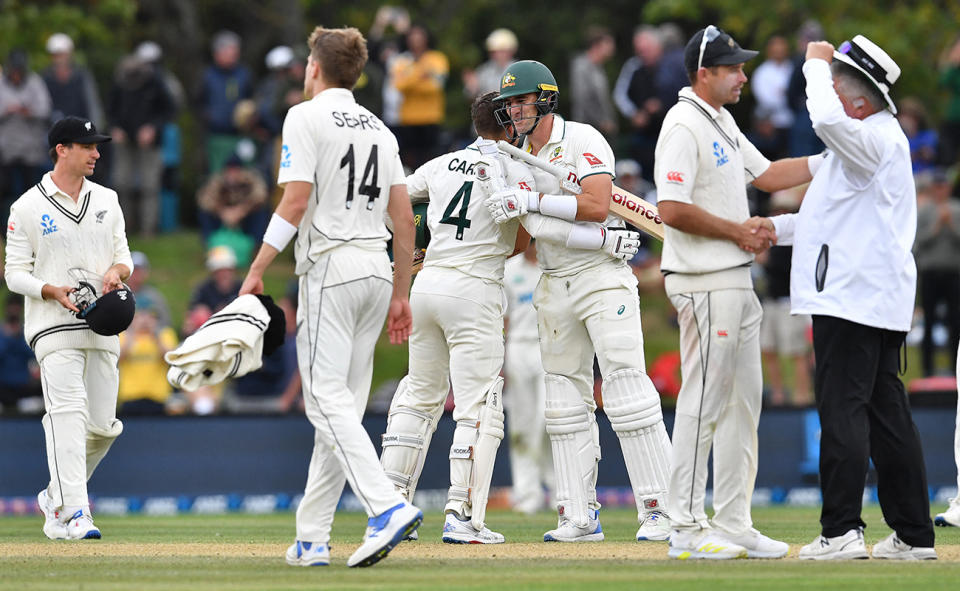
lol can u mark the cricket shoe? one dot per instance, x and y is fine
(412, 536)
(53, 528)
(80, 526)
(654, 526)
(385, 531)
(950, 517)
(759, 545)
(457, 531)
(568, 531)
(308, 554)
(703, 545)
(893, 548)
(849, 546)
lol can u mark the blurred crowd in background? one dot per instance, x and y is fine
(407, 82)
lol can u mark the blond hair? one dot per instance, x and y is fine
(341, 53)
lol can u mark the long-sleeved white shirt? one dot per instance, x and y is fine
(853, 235)
(47, 235)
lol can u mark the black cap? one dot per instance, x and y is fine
(722, 50)
(75, 130)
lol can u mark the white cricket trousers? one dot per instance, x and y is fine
(457, 338)
(956, 434)
(79, 394)
(343, 301)
(719, 405)
(531, 461)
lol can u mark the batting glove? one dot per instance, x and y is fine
(620, 243)
(507, 204)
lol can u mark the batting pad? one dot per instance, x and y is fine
(633, 407)
(575, 453)
(489, 436)
(406, 442)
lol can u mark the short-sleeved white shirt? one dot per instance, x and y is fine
(463, 234)
(702, 158)
(582, 151)
(352, 160)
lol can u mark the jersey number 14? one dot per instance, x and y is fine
(368, 183)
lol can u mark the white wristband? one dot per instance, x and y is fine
(559, 206)
(279, 233)
(814, 162)
(586, 236)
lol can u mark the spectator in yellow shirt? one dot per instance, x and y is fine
(419, 75)
(144, 389)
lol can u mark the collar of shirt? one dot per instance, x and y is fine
(556, 134)
(337, 93)
(51, 189)
(688, 92)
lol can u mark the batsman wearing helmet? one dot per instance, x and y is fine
(63, 224)
(587, 304)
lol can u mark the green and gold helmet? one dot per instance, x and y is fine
(527, 77)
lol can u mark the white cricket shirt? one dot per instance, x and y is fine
(463, 234)
(702, 158)
(352, 160)
(47, 235)
(582, 151)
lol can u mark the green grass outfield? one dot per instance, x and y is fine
(245, 552)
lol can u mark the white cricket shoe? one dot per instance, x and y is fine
(80, 526)
(893, 548)
(567, 531)
(53, 528)
(457, 531)
(308, 554)
(759, 545)
(655, 526)
(703, 544)
(385, 531)
(849, 546)
(950, 517)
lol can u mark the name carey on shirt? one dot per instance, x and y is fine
(350, 120)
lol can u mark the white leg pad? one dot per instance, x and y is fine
(632, 404)
(489, 435)
(461, 468)
(99, 442)
(575, 450)
(406, 442)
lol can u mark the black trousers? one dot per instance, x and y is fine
(864, 414)
(939, 286)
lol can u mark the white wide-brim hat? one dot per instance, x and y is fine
(866, 56)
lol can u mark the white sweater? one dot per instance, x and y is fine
(47, 235)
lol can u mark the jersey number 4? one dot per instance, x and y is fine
(460, 221)
(368, 184)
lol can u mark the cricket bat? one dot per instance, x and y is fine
(623, 204)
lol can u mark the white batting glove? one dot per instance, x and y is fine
(621, 244)
(507, 204)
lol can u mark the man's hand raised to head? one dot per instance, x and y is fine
(821, 50)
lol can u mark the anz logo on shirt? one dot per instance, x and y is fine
(48, 225)
(722, 157)
(285, 157)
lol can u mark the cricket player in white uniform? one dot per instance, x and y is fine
(586, 303)
(951, 517)
(340, 169)
(531, 463)
(703, 163)
(66, 222)
(457, 338)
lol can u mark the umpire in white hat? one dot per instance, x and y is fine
(853, 271)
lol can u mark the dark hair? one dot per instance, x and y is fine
(482, 112)
(595, 34)
(342, 53)
(53, 152)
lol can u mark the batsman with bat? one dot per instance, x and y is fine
(586, 303)
(703, 163)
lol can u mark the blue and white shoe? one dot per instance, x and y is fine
(53, 528)
(384, 532)
(567, 531)
(308, 554)
(461, 531)
(655, 526)
(80, 526)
